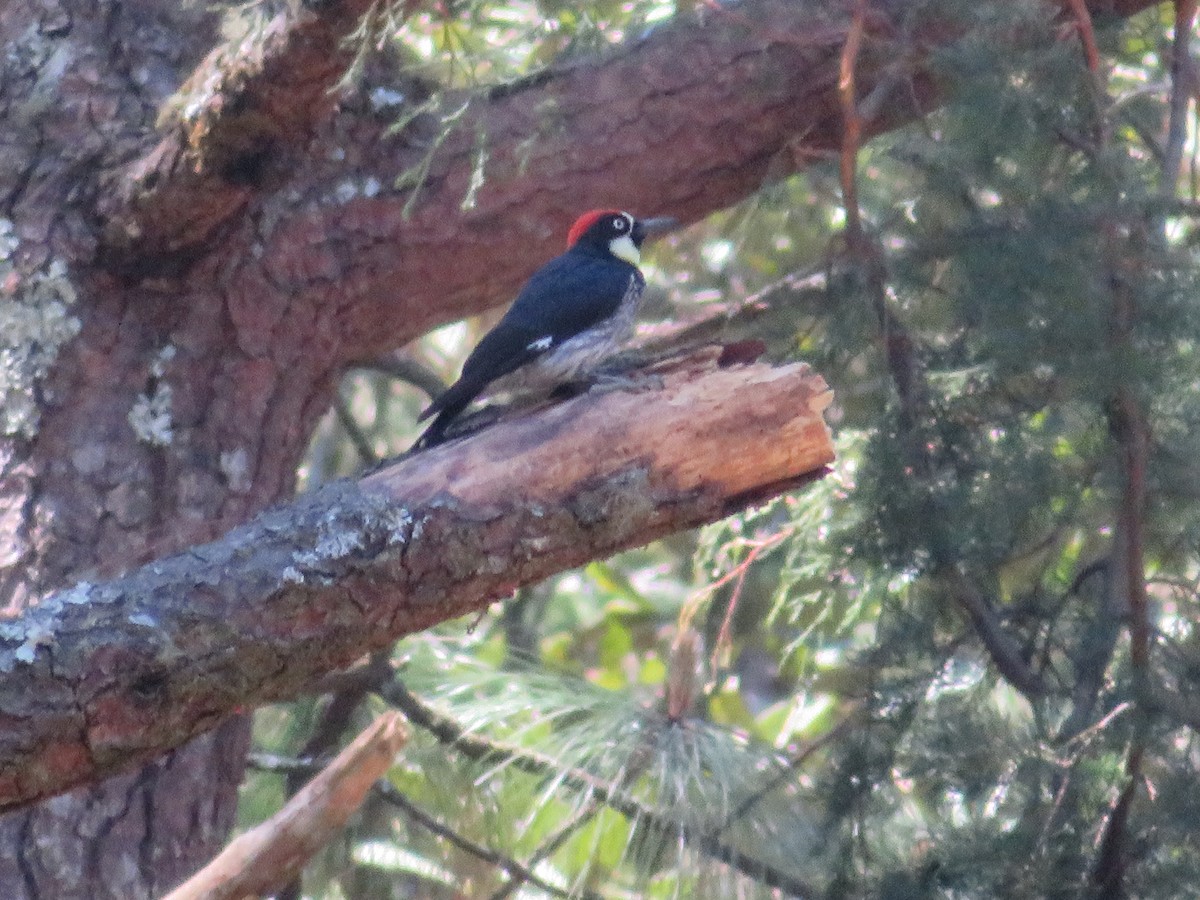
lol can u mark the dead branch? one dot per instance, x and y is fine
(97, 677)
(519, 873)
(273, 853)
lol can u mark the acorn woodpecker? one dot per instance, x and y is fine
(574, 311)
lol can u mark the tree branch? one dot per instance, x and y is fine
(271, 854)
(632, 129)
(519, 873)
(100, 676)
(614, 796)
(757, 100)
(252, 103)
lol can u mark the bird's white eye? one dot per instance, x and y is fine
(619, 224)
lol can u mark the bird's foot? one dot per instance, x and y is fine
(603, 382)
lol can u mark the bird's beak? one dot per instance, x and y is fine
(649, 228)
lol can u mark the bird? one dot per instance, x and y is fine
(571, 314)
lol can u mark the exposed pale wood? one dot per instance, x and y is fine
(270, 855)
(732, 430)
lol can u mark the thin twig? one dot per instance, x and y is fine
(549, 847)
(788, 771)
(345, 418)
(474, 747)
(725, 634)
(1096, 727)
(851, 122)
(737, 575)
(1087, 34)
(389, 792)
(406, 369)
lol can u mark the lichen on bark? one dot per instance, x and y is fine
(35, 321)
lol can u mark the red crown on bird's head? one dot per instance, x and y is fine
(586, 221)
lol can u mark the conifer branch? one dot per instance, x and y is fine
(476, 747)
(518, 872)
(912, 390)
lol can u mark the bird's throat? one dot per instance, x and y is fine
(624, 248)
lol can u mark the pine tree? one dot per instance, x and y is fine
(959, 665)
(980, 628)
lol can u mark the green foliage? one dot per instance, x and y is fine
(614, 763)
(835, 672)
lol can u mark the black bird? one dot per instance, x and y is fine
(572, 313)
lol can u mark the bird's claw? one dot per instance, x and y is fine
(604, 382)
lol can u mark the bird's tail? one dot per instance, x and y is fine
(447, 408)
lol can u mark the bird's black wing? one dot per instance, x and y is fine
(502, 350)
(568, 295)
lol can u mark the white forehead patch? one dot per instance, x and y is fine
(542, 343)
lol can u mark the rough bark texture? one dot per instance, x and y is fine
(176, 302)
(99, 676)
